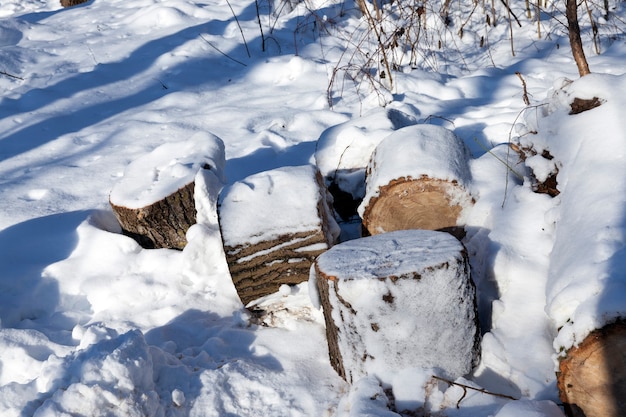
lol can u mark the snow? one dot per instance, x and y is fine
(344, 150)
(91, 324)
(265, 206)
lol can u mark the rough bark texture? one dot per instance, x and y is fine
(592, 376)
(571, 11)
(70, 3)
(423, 203)
(398, 318)
(162, 224)
(260, 269)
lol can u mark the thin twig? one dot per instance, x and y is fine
(218, 50)
(240, 29)
(505, 163)
(11, 75)
(466, 387)
(506, 4)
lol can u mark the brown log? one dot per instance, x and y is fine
(70, 3)
(162, 224)
(406, 203)
(259, 268)
(416, 179)
(592, 376)
(398, 300)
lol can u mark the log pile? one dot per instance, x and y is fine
(398, 300)
(417, 179)
(274, 224)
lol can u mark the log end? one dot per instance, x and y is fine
(592, 376)
(424, 203)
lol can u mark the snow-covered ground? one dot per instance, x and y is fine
(91, 324)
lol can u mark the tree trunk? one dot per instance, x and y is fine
(274, 224)
(592, 376)
(398, 300)
(571, 11)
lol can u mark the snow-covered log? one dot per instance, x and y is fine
(154, 200)
(586, 280)
(274, 224)
(416, 179)
(344, 150)
(591, 376)
(398, 300)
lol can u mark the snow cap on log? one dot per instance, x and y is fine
(273, 225)
(154, 200)
(166, 169)
(417, 178)
(343, 151)
(398, 300)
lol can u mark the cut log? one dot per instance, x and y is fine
(70, 3)
(592, 376)
(398, 300)
(417, 179)
(154, 200)
(274, 224)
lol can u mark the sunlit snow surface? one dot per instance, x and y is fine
(94, 325)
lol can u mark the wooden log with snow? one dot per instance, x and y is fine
(398, 300)
(417, 179)
(274, 224)
(586, 276)
(154, 200)
(592, 375)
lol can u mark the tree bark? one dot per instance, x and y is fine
(162, 224)
(282, 235)
(571, 11)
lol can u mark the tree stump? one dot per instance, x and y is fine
(592, 376)
(416, 179)
(154, 200)
(398, 300)
(274, 224)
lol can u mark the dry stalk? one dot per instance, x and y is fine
(525, 93)
(239, 26)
